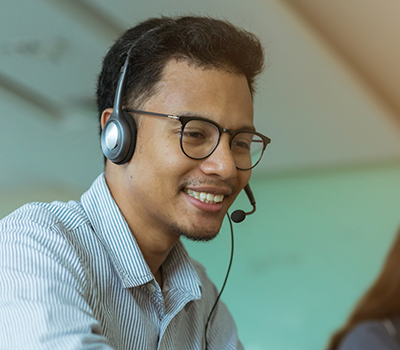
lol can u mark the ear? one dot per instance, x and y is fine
(105, 116)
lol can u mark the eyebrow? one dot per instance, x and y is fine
(188, 114)
(193, 114)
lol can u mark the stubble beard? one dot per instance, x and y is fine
(194, 235)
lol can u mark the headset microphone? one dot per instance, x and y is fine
(239, 215)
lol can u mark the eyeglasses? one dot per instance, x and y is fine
(200, 137)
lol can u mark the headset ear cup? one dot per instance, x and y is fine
(118, 137)
(131, 124)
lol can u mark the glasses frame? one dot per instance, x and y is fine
(186, 119)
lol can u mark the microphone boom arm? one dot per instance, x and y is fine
(239, 215)
(251, 198)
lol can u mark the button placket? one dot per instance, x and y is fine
(157, 298)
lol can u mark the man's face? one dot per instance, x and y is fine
(160, 179)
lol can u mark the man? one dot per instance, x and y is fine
(110, 271)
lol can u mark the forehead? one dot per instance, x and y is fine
(216, 94)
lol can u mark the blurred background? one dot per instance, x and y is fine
(327, 191)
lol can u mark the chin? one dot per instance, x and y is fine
(204, 235)
(200, 238)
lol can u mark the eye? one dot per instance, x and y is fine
(193, 135)
(242, 143)
(198, 132)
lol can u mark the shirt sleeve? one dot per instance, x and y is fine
(42, 287)
(368, 336)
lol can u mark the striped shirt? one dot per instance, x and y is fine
(73, 277)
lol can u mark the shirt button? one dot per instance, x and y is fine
(151, 287)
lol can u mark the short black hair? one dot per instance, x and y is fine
(202, 41)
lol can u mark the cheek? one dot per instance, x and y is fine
(166, 162)
(244, 177)
(172, 155)
(161, 157)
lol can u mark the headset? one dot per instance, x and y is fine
(118, 136)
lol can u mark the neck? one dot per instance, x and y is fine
(153, 242)
(154, 251)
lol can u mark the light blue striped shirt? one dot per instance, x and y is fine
(73, 277)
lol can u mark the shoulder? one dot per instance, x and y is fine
(46, 233)
(46, 215)
(369, 335)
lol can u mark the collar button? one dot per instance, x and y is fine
(151, 287)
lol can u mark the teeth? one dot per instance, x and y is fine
(208, 198)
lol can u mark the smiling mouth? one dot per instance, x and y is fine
(207, 198)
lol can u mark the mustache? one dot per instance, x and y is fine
(206, 182)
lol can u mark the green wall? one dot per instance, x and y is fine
(308, 253)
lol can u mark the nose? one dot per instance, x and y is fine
(220, 162)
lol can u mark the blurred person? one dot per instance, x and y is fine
(175, 101)
(374, 323)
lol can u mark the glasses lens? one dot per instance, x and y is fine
(247, 150)
(199, 138)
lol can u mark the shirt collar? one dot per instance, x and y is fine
(178, 272)
(112, 230)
